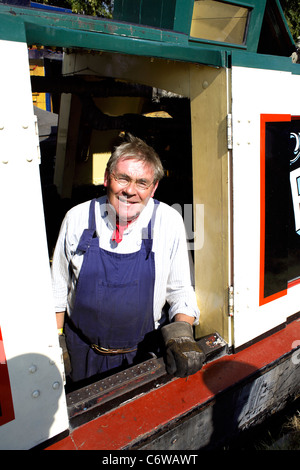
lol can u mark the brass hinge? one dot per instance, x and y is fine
(229, 131)
(36, 128)
(230, 301)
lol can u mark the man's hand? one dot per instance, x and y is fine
(183, 355)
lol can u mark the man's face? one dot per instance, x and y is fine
(129, 200)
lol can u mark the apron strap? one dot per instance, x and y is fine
(88, 233)
(92, 219)
(148, 240)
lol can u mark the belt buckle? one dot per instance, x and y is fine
(101, 350)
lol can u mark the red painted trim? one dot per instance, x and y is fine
(263, 119)
(142, 415)
(6, 403)
(293, 283)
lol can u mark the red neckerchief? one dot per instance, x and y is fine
(117, 235)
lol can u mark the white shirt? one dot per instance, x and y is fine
(174, 280)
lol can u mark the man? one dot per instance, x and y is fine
(117, 261)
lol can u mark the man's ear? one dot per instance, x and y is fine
(106, 178)
(154, 189)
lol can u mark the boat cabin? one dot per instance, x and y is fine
(212, 86)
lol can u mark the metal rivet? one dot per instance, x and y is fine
(32, 369)
(56, 385)
(35, 394)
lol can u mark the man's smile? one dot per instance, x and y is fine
(129, 201)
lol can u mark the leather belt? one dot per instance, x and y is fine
(101, 350)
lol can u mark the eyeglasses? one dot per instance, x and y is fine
(125, 181)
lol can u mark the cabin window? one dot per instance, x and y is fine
(218, 21)
(282, 191)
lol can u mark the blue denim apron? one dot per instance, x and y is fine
(114, 303)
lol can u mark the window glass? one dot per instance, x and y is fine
(218, 21)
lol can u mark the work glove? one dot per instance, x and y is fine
(183, 355)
